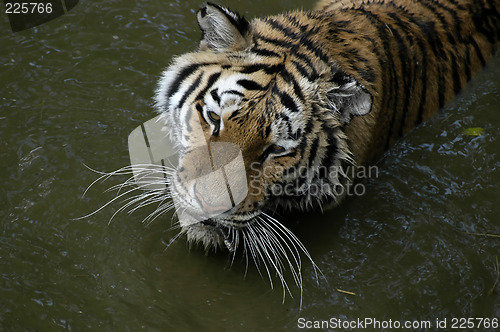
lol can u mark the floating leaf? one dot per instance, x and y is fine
(473, 131)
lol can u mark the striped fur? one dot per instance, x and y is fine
(421, 53)
(308, 91)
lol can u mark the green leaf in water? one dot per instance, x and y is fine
(473, 131)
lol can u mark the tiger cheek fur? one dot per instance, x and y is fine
(301, 93)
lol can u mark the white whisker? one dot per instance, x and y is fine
(275, 239)
(276, 262)
(255, 251)
(272, 247)
(294, 239)
(172, 240)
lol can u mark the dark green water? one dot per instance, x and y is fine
(73, 89)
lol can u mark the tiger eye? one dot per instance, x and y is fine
(214, 117)
(277, 148)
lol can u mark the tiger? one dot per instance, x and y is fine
(296, 95)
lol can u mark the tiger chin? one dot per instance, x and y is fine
(295, 99)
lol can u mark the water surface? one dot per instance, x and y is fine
(71, 92)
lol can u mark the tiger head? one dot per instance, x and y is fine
(257, 115)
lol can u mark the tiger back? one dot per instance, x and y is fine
(414, 56)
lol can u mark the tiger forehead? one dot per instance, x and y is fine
(244, 77)
(261, 123)
(263, 114)
(248, 134)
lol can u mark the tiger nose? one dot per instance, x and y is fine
(211, 210)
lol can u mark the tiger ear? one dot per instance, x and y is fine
(348, 97)
(223, 29)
